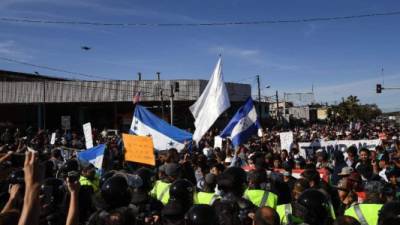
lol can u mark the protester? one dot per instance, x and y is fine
(50, 184)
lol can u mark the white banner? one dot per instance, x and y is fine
(87, 131)
(286, 140)
(307, 148)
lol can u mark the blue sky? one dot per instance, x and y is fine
(339, 57)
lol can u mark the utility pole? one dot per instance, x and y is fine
(259, 95)
(277, 106)
(172, 104)
(44, 104)
(161, 95)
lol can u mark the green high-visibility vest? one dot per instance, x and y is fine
(160, 191)
(261, 198)
(285, 212)
(366, 214)
(83, 181)
(206, 198)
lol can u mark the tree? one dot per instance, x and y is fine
(351, 110)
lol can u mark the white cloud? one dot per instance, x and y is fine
(9, 48)
(255, 57)
(235, 52)
(110, 9)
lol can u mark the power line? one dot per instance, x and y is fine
(231, 23)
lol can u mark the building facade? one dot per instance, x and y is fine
(41, 101)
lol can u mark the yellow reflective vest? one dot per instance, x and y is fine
(261, 198)
(160, 191)
(83, 181)
(366, 214)
(285, 212)
(205, 198)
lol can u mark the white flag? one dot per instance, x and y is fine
(211, 104)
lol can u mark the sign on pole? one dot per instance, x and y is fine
(139, 149)
(66, 122)
(53, 138)
(218, 142)
(87, 131)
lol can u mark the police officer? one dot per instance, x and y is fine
(256, 193)
(207, 196)
(52, 199)
(390, 213)
(313, 208)
(232, 208)
(201, 215)
(160, 190)
(181, 194)
(286, 210)
(367, 212)
(147, 208)
(89, 178)
(116, 195)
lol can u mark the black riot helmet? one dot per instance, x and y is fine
(201, 215)
(53, 192)
(106, 176)
(389, 213)
(115, 192)
(232, 180)
(147, 177)
(313, 207)
(182, 190)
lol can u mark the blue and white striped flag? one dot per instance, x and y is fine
(93, 155)
(244, 124)
(165, 136)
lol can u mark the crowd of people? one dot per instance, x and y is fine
(43, 183)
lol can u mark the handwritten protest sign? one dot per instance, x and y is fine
(139, 149)
(286, 140)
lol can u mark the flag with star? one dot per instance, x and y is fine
(164, 135)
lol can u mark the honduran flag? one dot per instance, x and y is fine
(165, 136)
(244, 124)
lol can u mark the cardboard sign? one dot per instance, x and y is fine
(66, 122)
(87, 131)
(139, 149)
(286, 140)
(53, 138)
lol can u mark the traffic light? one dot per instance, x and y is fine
(378, 88)
(176, 86)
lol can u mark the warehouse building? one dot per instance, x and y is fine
(52, 102)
